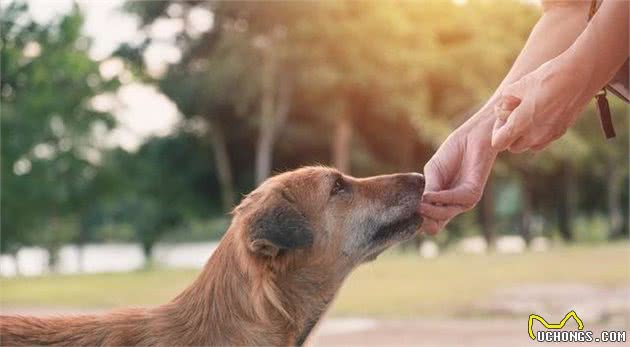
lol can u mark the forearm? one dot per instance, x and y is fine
(602, 48)
(559, 26)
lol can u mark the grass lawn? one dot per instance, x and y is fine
(395, 285)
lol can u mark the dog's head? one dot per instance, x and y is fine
(318, 212)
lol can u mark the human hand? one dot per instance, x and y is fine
(457, 173)
(538, 108)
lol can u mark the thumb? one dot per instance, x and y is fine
(504, 135)
(464, 195)
(509, 100)
(505, 132)
(506, 105)
(431, 178)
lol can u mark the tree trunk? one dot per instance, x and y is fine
(222, 161)
(147, 251)
(81, 241)
(275, 104)
(267, 114)
(565, 202)
(80, 256)
(614, 182)
(485, 214)
(342, 141)
(526, 211)
(18, 269)
(52, 245)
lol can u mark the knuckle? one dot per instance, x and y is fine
(473, 200)
(471, 205)
(431, 230)
(434, 231)
(518, 149)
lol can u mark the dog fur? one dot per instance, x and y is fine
(289, 247)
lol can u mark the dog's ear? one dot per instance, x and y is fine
(279, 226)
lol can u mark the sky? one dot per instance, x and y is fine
(140, 109)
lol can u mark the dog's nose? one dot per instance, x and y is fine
(412, 179)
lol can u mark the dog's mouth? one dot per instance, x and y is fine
(390, 234)
(400, 229)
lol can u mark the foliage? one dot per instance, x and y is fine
(402, 73)
(158, 187)
(49, 155)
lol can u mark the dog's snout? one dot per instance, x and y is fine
(395, 186)
(412, 180)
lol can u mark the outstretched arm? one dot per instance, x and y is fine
(561, 23)
(603, 46)
(457, 172)
(547, 101)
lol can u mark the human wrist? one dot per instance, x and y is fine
(485, 117)
(479, 127)
(574, 71)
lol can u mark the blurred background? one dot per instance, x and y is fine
(130, 129)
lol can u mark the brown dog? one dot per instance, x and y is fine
(291, 244)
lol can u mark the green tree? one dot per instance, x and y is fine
(155, 190)
(49, 156)
(368, 86)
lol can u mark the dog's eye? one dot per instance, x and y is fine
(338, 187)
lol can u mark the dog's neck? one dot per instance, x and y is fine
(235, 302)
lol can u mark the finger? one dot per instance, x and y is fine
(504, 136)
(464, 195)
(501, 113)
(431, 177)
(440, 169)
(509, 123)
(498, 123)
(439, 212)
(541, 143)
(521, 145)
(540, 147)
(546, 140)
(431, 226)
(560, 131)
(508, 103)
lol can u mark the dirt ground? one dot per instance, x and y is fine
(499, 321)
(439, 332)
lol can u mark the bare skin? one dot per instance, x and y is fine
(547, 101)
(458, 171)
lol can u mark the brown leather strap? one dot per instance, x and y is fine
(602, 102)
(592, 9)
(604, 114)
